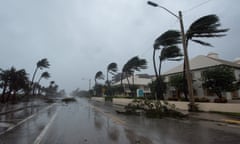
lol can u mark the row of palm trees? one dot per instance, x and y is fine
(132, 65)
(13, 81)
(168, 45)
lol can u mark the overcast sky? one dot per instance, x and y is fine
(81, 37)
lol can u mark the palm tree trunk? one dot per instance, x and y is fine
(156, 74)
(34, 74)
(160, 81)
(129, 84)
(32, 82)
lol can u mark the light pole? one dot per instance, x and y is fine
(186, 60)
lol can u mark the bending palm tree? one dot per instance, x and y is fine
(99, 75)
(44, 75)
(112, 69)
(134, 64)
(43, 63)
(170, 51)
(204, 27)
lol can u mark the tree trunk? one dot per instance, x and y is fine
(156, 74)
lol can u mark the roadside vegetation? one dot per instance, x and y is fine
(16, 84)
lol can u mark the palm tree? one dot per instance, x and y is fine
(132, 65)
(205, 27)
(43, 63)
(13, 80)
(4, 78)
(112, 69)
(44, 75)
(98, 76)
(167, 43)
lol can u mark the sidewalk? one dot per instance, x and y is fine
(215, 117)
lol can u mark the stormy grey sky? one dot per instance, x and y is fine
(81, 37)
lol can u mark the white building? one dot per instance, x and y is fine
(199, 64)
(141, 81)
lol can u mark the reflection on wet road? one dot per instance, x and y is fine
(97, 123)
(88, 122)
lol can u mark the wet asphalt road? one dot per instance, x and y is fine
(87, 122)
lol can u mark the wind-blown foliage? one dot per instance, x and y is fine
(219, 79)
(168, 44)
(112, 69)
(43, 63)
(205, 27)
(132, 65)
(12, 81)
(98, 76)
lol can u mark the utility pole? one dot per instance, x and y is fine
(186, 63)
(186, 60)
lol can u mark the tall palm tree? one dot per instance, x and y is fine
(168, 44)
(98, 76)
(132, 65)
(204, 27)
(112, 69)
(43, 63)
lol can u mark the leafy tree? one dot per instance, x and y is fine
(177, 81)
(12, 81)
(132, 65)
(168, 44)
(219, 79)
(153, 87)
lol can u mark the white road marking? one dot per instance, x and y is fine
(24, 120)
(44, 131)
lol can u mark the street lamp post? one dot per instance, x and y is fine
(186, 60)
